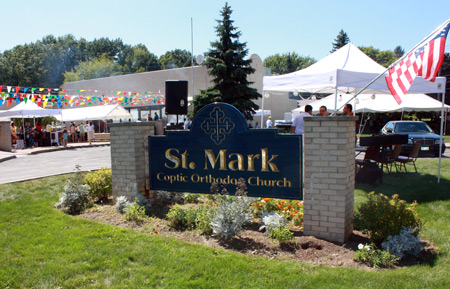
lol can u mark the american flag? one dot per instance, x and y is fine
(423, 61)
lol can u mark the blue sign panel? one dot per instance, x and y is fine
(220, 148)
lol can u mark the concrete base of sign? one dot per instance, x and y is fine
(329, 177)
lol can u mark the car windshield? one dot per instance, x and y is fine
(406, 127)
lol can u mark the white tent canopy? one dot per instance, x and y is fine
(28, 110)
(260, 112)
(377, 103)
(101, 112)
(346, 70)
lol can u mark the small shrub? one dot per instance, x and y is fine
(229, 217)
(100, 183)
(180, 219)
(165, 198)
(281, 234)
(382, 216)
(373, 257)
(190, 219)
(272, 221)
(121, 204)
(191, 198)
(232, 212)
(403, 244)
(135, 212)
(75, 198)
(203, 221)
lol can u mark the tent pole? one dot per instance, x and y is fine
(441, 136)
(335, 101)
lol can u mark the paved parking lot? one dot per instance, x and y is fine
(25, 166)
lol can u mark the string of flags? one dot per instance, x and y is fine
(77, 97)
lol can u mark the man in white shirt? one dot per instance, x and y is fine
(298, 126)
(269, 122)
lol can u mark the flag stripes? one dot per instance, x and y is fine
(424, 61)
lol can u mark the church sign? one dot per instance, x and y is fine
(220, 148)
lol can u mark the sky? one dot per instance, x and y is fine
(307, 27)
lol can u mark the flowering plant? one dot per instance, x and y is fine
(374, 257)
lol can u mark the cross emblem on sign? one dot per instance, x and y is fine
(217, 125)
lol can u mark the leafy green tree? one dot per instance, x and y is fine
(23, 66)
(138, 59)
(341, 40)
(384, 58)
(175, 58)
(399, 51)
(102, 66)
(226, 63)
(104, 45)
(287, 62)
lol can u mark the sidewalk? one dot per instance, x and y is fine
(5, 156)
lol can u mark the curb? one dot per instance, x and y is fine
(53, 150)
(66, 148)
(7, 159)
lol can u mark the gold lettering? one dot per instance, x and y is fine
(239, 161)
(251, 162)
(267, 163)
(172, 158)
(209, 156)
(250, 181)
(184, 164)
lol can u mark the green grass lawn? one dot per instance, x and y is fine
(41, 247)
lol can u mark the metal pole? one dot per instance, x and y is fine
(192, 52)
(262, 112)
(440, 136)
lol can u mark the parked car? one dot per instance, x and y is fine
(417, 131)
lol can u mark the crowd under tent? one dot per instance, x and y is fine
(28, 109)
(376, 103)
(347, 70)
(102, 112)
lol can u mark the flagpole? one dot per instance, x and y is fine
(441, 136)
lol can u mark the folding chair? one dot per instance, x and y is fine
(402, 160)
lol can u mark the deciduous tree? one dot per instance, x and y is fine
(287, 62)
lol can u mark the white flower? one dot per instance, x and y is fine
(360, 246)
(367, 247)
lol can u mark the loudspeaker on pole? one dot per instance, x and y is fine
(176, 97)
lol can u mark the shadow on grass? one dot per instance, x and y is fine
(411, 187)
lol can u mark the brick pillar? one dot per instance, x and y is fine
(129, 158)
(5, 136)
(329, 177)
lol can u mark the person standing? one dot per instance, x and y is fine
(298, 125)
(156, 116)
(73, 133)
(91, 129)
(82, 132)
(269, 122)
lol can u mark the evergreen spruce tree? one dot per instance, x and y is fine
(226, 63)
(399, 51)
(341, 40)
